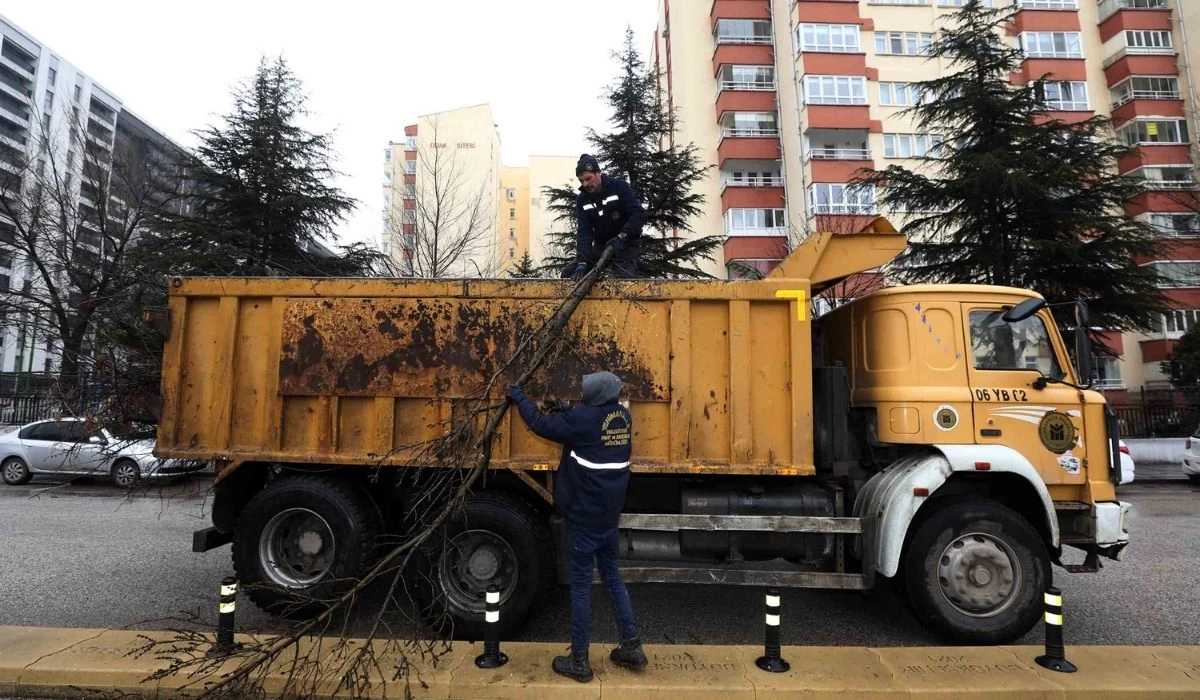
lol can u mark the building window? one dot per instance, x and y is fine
(410, 143)
(903, 43)
(910, 145)
(960, 3)
(1065, 96)
(1108, 372)
(78, 92)
(755, 222)
(51, 76)
(835, 90)
(899, 94)
(410, 167)
(743, 31)
(834, 38)
(1178, 273)
(747, 77)
(1048, 4)
(1164, 177)
(898, 2)
(1180, 321)
(750, 124)
(387, 155)
(1147, 41)
(1176, 225)
(512, 233)
(512, 213)
(1145, 87)
(410, 191)
(1051, 44)
(511, 193)
(841, 198)
(1154, 131)
(512, 253)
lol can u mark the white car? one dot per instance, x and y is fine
(1191, 457)
(70, 447)
(1127, 465)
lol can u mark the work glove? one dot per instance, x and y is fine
(580, 270)
(554, 406)
(514, 393)
(616, 243)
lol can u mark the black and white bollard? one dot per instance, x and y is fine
(1056, 653)
(491, 657)
(225, 618)
(772, 662)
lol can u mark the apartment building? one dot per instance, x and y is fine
(789, 98)
(42, 97)
(452, 158)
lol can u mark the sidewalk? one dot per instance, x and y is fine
(49, 662)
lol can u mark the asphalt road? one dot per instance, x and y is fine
(87, 555)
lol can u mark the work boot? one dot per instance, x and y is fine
(629, 654)
(573, 667)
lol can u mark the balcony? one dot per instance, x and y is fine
(745, 86)
(1110, 7)
(1168, 185)
(744, 40)
(770, 181)
(1048, 4)
(1131, 95)
(738, 102)
(838, 154)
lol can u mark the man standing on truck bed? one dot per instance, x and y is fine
(589, 492)
(608, 214)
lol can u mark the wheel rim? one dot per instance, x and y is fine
(474, 560)
(979, 575)
(14, 470)
(296, 548)
(126, 474)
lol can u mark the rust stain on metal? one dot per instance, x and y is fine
(448, 347)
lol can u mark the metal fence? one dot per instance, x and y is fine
(1152, 421)
(22, 409)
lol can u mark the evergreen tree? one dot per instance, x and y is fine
(1183, 364)
(662, 176)
(262, 200)
(525, 268)
(1014, 196)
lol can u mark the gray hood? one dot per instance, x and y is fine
(600, 388)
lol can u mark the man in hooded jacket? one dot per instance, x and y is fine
(589, 492)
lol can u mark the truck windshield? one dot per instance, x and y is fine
(1024, 345)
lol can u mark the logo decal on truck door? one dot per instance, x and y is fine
(1057, 432)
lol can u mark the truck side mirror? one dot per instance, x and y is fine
(1083, 345)
(1024, 310)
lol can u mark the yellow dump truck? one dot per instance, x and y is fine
(935, 436)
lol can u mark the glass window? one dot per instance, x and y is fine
(1066, 95)
(1051, 44)
(910, 145)
(1154, 131)
(903, 43)
(835, 38)
(893, 94)
(1147, 39)
(835, 90)
(996, 345)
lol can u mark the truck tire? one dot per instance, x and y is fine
(495, 539)
(975, 572)
(302, 541)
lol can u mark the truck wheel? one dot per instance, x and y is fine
(975, 572)
(302, 540)
(495, 539)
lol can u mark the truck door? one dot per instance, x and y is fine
(1012, 405)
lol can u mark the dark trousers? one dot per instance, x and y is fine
(624, 264)
(590, 548)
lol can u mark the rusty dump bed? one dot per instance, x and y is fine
(360, 371)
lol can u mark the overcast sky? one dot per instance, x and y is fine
(369, 68)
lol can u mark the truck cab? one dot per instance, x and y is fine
(971, 392)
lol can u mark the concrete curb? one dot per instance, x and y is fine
(51, 662)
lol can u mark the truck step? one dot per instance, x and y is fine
(742, 574)
(746, 523)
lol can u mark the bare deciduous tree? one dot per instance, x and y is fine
(446, 223)
(71, 208)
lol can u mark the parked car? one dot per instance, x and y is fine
(1127, 465)
(1191, 457)
(72, 447)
